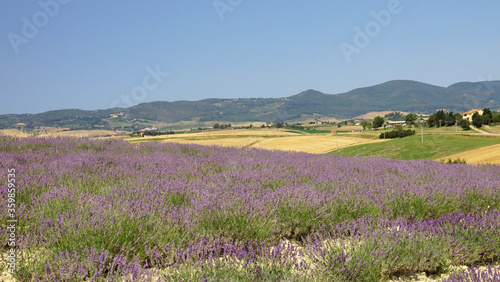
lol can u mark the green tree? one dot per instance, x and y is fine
(486, 119)
(477, 120)
(458, 117)
(495, 116)
(431, 121)
(487, 111)
(366, 124)
(464, 124)
(378, 121)
(410, 119)
(395, 116)
(449, 119)
(216, 126)
(440, 116)
(487, 116)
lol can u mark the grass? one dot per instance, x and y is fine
(294, 131)
(312, 131)
(412, 148)
(495, 129)
(430, 130)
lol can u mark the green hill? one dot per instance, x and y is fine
(397, 95)
(412, 148)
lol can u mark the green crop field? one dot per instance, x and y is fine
(308, 131)
(412, 148)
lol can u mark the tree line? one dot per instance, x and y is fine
(488, 117)
(450, 118)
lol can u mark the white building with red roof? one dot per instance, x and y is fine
(468, 115)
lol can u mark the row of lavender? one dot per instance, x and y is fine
(110, 210)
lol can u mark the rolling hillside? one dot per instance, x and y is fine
(400, 95)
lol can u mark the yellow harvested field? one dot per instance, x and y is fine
(311, 143)
(13, 132)
(239, 132)
(217, 135)
(372, 115)
(484, 155)
(81, 133)
(266, 139)
(231, 142)
(55, 133)
(343, 128)
(350, 128)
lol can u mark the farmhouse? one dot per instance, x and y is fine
(468, 115)
(393, 123)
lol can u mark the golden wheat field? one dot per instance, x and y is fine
(372, 115)
(220, 134)
(488, 154)
(272, 139)
(13, 132)
(81, 133)
(311, 143)
(56, 133)
(231, 142)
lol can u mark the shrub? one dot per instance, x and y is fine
(455, 161)
(400, 133)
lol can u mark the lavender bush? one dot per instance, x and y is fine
(108, 210)
(475, 274)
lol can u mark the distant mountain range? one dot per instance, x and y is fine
(397, 95)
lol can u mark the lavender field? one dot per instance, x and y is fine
(108, 210)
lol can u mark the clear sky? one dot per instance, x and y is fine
(57, 54)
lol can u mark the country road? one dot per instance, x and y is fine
(482, 132)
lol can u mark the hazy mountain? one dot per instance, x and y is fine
(400, 95)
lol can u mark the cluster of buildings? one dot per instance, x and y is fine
(115, 115)
(467, 116)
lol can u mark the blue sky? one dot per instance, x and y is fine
(57, 54)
